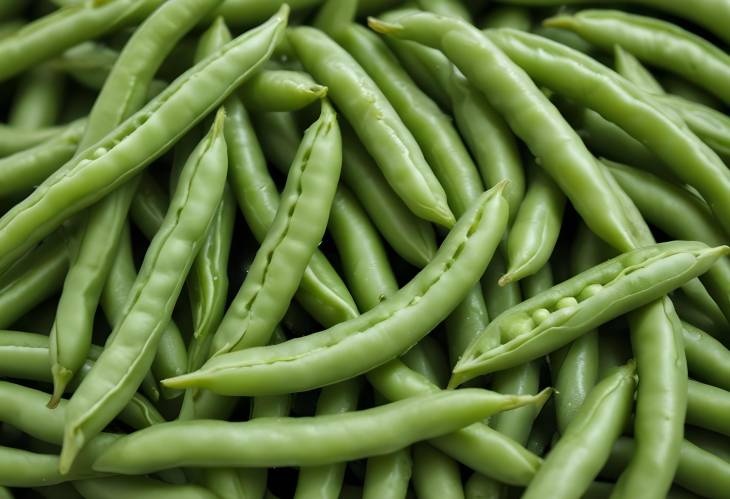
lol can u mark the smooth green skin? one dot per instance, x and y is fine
(536, 228)
(171, 355)
(335, 15)
(628, 66)
(37, 103)
(22, 171)
(376, 123)
(452, 8)
(681, 215)
(584, 447)
(25, 356)
(477, 446)
(708, 360)
(279, 136)
(620, 101)
(708, 124)
(364, 261)
(5, 493)
(59, 491)
(412, 238)
(137, 141)
(387, 476)
(541, 281)
(321, 290)
(432, 128)
(139, 488)
(507, 17)
(99, 237)
(149, 206)
(304, 441)
(295, 233)
(278, 90)
(22, 468)
(661, 401)
(13, 140)
(626, 282)
(385, 331)
(692, 314)
(707, 407)
(427, 359)
(89, 63)
(656, 42)
(699, 470)
(478, 486)
(467, 320)
(435, 475)
(129, 352)
(499, 298)
(51, 35)
(36, 277)
(531, 116)
(323, 482)
(680, 87)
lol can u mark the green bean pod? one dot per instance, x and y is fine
(536, 228)
(130, 350)
(13, 140)
(37, 101)
(120, 154)
(578, 456)
(621, 101)
(22, 171)
(708, 360)
(531, 116)
(628, 66)
(294, 234)
(52, 34)
(477, 446)
(277, 90)
(325, 481)
(139, 488)
(37, 276)
(385, 331)
(707, 407)
(435, 475)
(387, 476)
(300, 441)
(657, 42)
(377, 124)
(555, 317)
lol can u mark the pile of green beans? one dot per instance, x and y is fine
(380, 249)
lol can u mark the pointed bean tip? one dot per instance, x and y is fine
(384, 27)
(73, 441)
(561, 21)
(505, 279)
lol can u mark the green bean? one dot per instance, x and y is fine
(13, 140)
(564, 37)
(280, 90)
(59, 491)
(326, 481)
(531, 116)
(661, 401)
(21, 172)
(385, 331)
(507, 16)
(321, 291)
(467, 320)
(628, 66)
(427, 359)
(708, 360)
(411, 237)
(37, 102)
(335, 15)
(295, 232)
(477, 446)
(698, 471)
(129, 351)
(126, 150)
(536, 228)
(432, 129)
(657, 42)
(435, 475)
(88, 63)
(387, 476)
(553, 318)
(138, 488)
(246, 13)
(279, 137)
(586, 444)
(37, 276)
(675, 85)
(304, 441)
(680, 214)
(690, 313)
(707, 407)
(538, 282)
(364, 262)
(478, 486)
(620, 101)
(383, 133)
(52, 34)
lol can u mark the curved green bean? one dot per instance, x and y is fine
(707, 407)
(277, 90)
(628, 66)
(387, 476)
(385, 331)
(435, 475)
(37, 102)
(138, 488)
(13, 140)
(708, 360)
